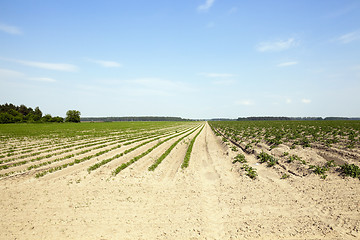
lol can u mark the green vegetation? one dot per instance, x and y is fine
(239, 158)
(320, 170)
(270, 160)
(125, 165)
(351, 170)
(337, 133)
(167, 152)
(250, 171)
(285, 176)
(234, 149)
(72, 116)
(10, 113)
(59, 146)
(185, 163)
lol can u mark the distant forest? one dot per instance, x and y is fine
(10, 113)
(130, 119)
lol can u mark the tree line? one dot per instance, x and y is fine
(10, 113)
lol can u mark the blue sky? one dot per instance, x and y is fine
(188, 58)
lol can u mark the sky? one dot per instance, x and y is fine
(188, 58)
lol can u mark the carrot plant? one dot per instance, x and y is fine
(167, 152)
(185, 163)
(124, 165)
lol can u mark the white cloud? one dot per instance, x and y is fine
(10, 29)
(306, 101)
(288, 101)
(349, 37)
(217, 75)
(206, 5)
(276, 46)
(6, 73)
(42, 79)
(44, 65)
(50, 66)
(108, 64)
(244, 102)
(286, 64)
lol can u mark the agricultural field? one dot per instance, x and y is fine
(180, 180)
(299, 148)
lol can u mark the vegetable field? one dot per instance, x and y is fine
(39, 150)
(298, 147)
(180, 180)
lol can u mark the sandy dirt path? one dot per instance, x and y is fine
(211, 199)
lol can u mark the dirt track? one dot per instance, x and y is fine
(211, 199)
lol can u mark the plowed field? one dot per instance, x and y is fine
(62, 197)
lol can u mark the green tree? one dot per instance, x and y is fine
(72, 116)
(46, 118)
(57, 119)
(37, 114)
(6, 118)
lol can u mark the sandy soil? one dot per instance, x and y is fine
(211, 199)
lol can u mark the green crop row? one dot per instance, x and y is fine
(343, 134)
(167, 152)
(105, 161)
(185, 163)
(136, 158)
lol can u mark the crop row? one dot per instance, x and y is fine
(185, 163)
(77, 161)
(106, 142)
(158, 161)
(340, 134)
(105, 161)
(263, 157)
